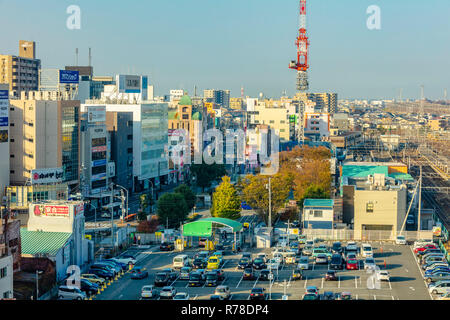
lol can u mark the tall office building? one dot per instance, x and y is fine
(4, 138)
(221, 97)
(325, 102)
(44, 133)
(21, 72)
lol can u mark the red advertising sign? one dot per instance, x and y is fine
(51, 211)
(99, 149)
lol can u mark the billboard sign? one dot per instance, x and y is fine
(130, 84)
(100, 176)
(48, 175)
(69, 76)
(99, 149)
(3, 136)
(98, 163)
(4, 106)
(50, 211)
(96, 114)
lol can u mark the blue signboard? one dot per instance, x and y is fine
(98, 163)
(4, 95)
(3, 121)
(68, 76)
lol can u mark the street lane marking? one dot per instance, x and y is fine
(339, 283)
(321, 287)
(356, 282)
(254, 285)
(306, 282)
(390, 287)
(374, 297)
(240, 281)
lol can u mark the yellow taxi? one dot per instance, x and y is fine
(213, 263)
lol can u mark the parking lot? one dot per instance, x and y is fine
(406, 282)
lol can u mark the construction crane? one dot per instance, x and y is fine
(302, 43)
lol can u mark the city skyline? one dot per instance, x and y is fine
(222, 45)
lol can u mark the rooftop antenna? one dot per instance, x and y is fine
(90, 57)
(195, 90)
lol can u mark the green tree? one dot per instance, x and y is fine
(225, 201)
(314, 192)
(188, 195)
(256, 194)
(146, 201)
(172, 208)
(206, 173)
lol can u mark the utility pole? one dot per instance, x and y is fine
(270, 206)
(111, 199)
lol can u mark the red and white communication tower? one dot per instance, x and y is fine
(302, 43)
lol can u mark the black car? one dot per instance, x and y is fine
(167, 246)
(196, 279)
(264, 275)
(258, 294)
(199, 263)
(337, 262)
(102, 273)
(331, 275)
(328, 295)
(161, 279)
(220, 274)
(259, 264)
(244, 263)
(248, 274)
(212, 279)
(337, 248)
(172, 274)
(88, 287)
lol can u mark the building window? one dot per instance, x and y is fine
(369, 207)
(318, 213)
(3, 273)
(130, 150)
(130, 136)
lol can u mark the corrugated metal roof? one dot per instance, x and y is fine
(34, 242)
(318, 203)
(401, 176)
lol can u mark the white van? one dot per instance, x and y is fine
(367, 251)
(180, 261)
(70, 293)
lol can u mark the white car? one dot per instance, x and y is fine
(400, 240)
(223, 291)
(383, 275)
(273, 264)
(149, 292)
(125, 260)
(303, 264)
(369, 264)
(181, 296)
(367, 251)
(168, 292)
(440, 287)
(70, 293)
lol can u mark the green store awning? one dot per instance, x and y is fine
(204, 227)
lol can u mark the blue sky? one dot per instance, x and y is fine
(232, 43)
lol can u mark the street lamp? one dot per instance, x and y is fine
(126, 204)
(38, 272)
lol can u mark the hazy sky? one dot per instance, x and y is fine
(227, 44)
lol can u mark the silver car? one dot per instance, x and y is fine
(440, 287)
(303, 264)
(223, 291)
(168, 292)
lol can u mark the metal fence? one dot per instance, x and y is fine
(372, 235)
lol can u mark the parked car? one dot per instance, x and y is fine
(93, 278)
(273, 264)
(434, 264)
(166, 246)
(337, 248)
(369, 264)
(445, 296)
(216, 297)
(212, 279)
(113, 265)
(344, 296)
(259, 264)
(258, 294)
(248, 274)
(383, 275)
(181, 296)
(149, 291)
(438, 276)
(331, 275)
(367, 250)
(103, 266)
(121, 265)
(126, 259)
(312, 290)
(400, 240)
(310, 296)
(336, 262)
(437, 269)
(88, 287)
(103, 273)
(303, 263)
(70, 293)
(168, 292)
(244, 263)
(352, 264)
(321, 259)
(423, 248)
(139, 273)
(196, 279)
(328, 295)
(161, 279)
(223, 291)
(440, 287)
